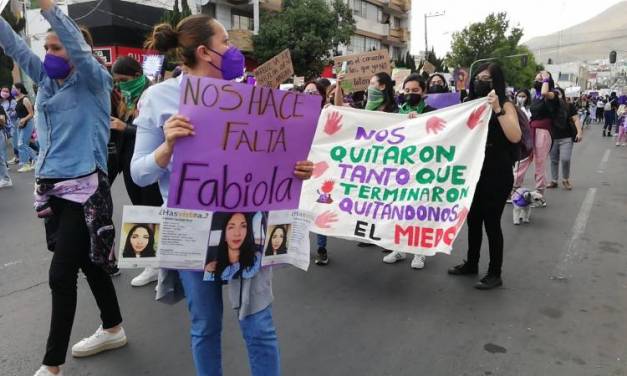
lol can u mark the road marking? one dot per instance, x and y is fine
(572, 252)
(11, 263)
(604, 160)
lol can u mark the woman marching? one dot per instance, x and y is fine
(495, 182)
(72, 191)
(131, 83)
(203, 45)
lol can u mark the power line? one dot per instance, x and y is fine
(90, 12)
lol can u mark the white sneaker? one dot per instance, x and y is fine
(13, 161)
(43, 371)
(394, 257)
(25, 168)
(6, 183)
(147, 276)
(418, 262)
(99, 342)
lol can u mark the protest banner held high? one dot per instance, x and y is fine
(248, 139)
(407, 186)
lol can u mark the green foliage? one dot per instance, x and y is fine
(493, 38)
(407, 62)
(439, 64)
(173, 17)
(310, 29)
(6, 64)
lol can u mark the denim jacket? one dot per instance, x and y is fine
(72, 119)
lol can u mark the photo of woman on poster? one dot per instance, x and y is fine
(237, 253)
(277, 242)
(140, 241)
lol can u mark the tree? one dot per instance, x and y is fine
(6, 64)
(173, 17)
(439, 64)
(310, 29)
(493, 38)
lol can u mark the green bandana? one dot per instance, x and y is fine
(406, 108)
(132, 89)
(375, 99)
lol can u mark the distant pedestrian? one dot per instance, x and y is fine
(5, 178)
(72, 190)
(564, 138)
(25, 126)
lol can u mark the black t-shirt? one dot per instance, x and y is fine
(20, 109)
(499, 152)
(542, 108)
(566, 130)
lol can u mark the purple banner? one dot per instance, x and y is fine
(443, 100)
(248, 140)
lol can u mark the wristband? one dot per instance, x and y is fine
(545, 81)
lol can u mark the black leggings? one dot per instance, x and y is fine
(71, 252)
(487, 209)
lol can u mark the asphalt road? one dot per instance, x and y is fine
(561, 311)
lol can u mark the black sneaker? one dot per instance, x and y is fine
(489, 282)
(114, 272)
(321, 258)
(463, 269)
(364, 245)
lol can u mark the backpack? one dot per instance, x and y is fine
(524, 147)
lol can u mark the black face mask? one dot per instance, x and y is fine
(411, 99)
(537, 85)
(482, 88)
(436, 89)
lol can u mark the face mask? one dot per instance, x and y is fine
(5, 95)
(375, 99)
(132, 89)
(436, 89)
(520, 101)
(413, 99)
(482, 88)
(56, 67)
(14, 92)
(232, 63)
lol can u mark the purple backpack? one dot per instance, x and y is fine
(525, 145)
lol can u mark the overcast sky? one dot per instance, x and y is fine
(530, 14)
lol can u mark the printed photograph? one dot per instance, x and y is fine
(140, 240)
(235, 245)
(277, 240)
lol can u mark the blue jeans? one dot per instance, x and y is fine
(4, 171)
(204, 301)
(13, 136)
(23, 143)
(322, 241)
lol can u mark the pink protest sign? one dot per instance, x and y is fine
(248, 140)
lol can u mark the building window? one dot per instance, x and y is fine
(397, 53)
(241, 22)
(361, 44)
(367, 10)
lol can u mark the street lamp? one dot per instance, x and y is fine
(430, 15)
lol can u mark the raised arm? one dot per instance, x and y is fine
(78, 50)
(15, 47)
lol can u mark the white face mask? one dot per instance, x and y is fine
(520, 101)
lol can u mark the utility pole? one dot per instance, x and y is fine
(430, 15)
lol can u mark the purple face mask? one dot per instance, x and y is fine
(56, 67)
(232, 65)
(14, 92)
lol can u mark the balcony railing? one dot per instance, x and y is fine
(242, 39)
(272, 5)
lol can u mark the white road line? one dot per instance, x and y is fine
(572, 252)
(11, 263)
(604, 160)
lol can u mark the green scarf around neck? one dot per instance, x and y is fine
(132, 89)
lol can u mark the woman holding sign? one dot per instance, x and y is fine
(496, 180)
(72, 190)
(202, 43)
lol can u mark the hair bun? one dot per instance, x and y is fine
(164, 38)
